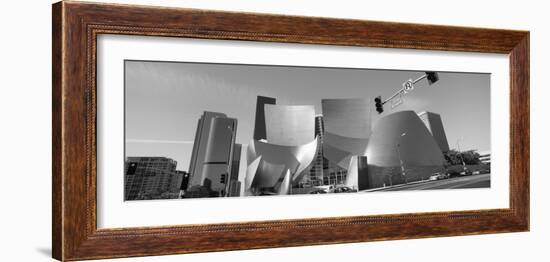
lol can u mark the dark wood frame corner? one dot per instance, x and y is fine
(75, 28)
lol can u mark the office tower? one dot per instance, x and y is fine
(259, 124)
(212, 156)
(150, 178)
(234, 186)
(401, 149)
(176, 180)
(199, 147)
(236, 162)
(435, 126)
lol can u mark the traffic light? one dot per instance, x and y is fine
(432, 77)
(132, 168)
(378, 104)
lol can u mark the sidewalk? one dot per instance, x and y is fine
(397, 186)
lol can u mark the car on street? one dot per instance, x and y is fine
(485, 171)
(318, 191)
(466, 173)
(326, 188)
(477, 172)
(344, 189)
(439, 176)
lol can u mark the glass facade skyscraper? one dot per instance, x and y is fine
(151, 178)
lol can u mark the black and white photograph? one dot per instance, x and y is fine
(275, 131)
(201, 130)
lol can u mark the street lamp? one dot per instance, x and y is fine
(399, 156)
(461, 156)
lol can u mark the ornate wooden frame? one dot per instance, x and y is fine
(76, 26)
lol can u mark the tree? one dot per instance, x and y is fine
(471, 158)
(454, 157)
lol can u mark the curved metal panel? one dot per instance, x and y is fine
(435, 125)
(355, 146)
(284, 188)
(347, 125)
(336, 156)
(276, 160)
(289, 125)
(251, 170)
(347, 117)
(403, 134)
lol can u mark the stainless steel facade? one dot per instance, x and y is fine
(435, 125)
(347, 117)
(281, 160)
(268, 164)
(401, 140)
(347, 132)
(259, 124)
(289, 125)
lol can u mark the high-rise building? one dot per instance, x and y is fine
(151, 178)
(234, 186)
(199, 146)
(435, 126)
(259, 124)
(212, 156)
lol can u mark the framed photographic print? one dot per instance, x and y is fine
(181, 130)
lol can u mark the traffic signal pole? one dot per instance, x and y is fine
(407, 86)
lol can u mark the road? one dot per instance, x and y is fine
(474, 181)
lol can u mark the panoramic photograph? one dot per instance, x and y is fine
(204, 130)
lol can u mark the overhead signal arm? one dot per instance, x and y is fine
(432, 77)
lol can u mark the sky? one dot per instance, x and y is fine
(164, 100)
